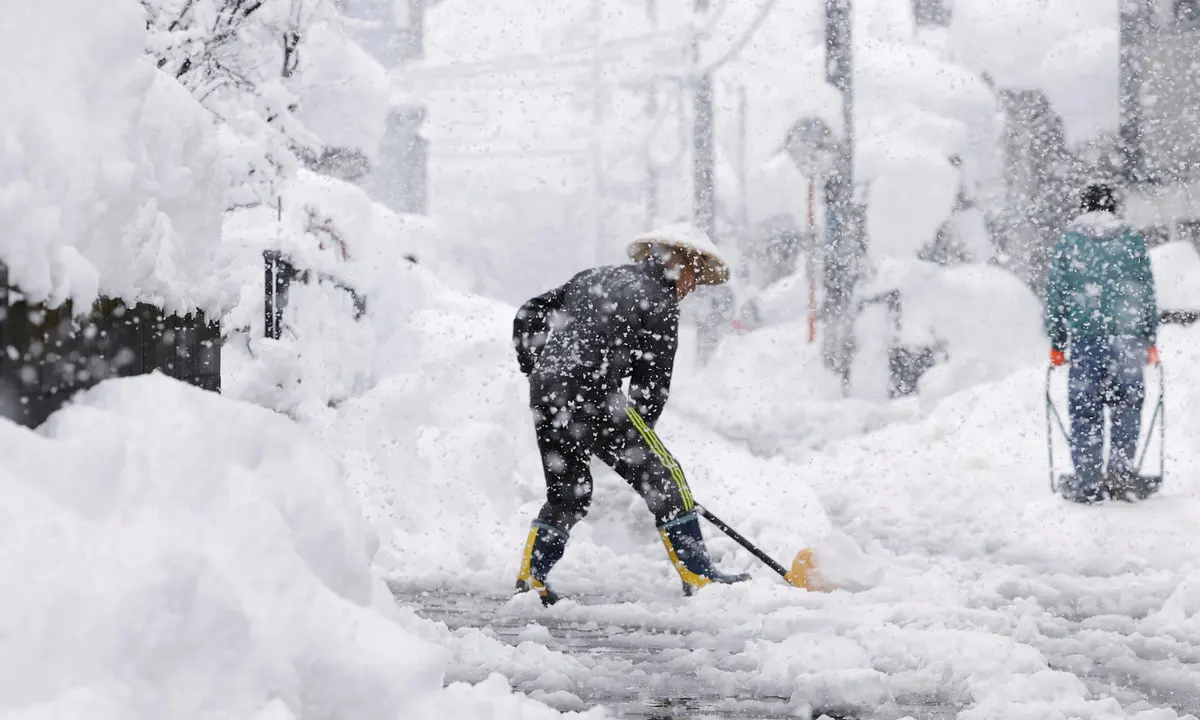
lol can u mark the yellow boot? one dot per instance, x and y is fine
(688, 553)
(543, 548)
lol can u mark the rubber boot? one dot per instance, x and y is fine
(1071, 487)
(686, 548)
(543, 549)
(1124, 484)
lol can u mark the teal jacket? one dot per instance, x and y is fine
(1100, 283)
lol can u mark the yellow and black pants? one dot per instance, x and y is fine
(572, 427)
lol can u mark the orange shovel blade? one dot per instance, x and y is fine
(803, 573)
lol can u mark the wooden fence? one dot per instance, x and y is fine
(49, 354)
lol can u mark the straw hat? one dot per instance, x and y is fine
(711, 269)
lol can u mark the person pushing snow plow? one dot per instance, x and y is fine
(577, 343)
(1100, 301)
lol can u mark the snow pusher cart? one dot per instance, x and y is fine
(1137, 485)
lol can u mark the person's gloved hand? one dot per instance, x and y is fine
(1152, 355)
(1057, 357)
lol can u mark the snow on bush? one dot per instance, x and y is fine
(283, 77)
(987, 322)
(110, 181)
(915, 108)
(334, 230)
(344, 93)
(915, 115)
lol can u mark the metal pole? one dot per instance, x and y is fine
(743, 130)
(595, 193)
(843, 229)
(651, 112)
(704, 210)
(810, 269)
(1134, 19)
(271, 305)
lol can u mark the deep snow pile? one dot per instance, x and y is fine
(169, 553)
(110, 181)
(974, 481)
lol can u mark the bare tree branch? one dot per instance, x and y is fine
(187, 8)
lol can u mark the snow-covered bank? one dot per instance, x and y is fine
(169, 553)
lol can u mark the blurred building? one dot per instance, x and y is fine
(1041, 176)
(393, 32)
(1160, 110)
(932, 13)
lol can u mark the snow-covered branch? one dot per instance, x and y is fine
(240, 59)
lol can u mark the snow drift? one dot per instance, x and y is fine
(222, 567)
(176, 554)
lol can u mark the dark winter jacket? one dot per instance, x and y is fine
(1100, 283)
(602, 326)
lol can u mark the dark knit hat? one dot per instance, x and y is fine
(1098, 197)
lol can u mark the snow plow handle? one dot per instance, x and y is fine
(1052, 417)
(733, 534)
(1159, 418)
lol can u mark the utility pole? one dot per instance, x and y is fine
(1135, 16)
(596, 185)
(743, 134)
(844, 236)
(651, 112)
(704, 195)
(400, 180)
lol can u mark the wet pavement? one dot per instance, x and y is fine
(641, 670)
(629, 669)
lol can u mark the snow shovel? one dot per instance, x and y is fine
(801, 574)
(1146, 485)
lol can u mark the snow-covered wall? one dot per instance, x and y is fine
(109, 174)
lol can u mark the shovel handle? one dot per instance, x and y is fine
(733, 534)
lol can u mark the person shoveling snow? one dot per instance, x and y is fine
(577, 343)
(1100, 300)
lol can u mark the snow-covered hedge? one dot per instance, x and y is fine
(130, 128)
(109, 175)
(333, 228)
